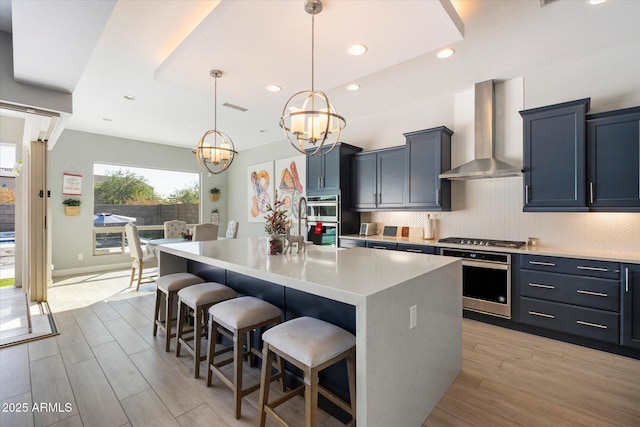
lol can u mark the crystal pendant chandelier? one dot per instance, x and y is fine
(215, 151)
(308, 119)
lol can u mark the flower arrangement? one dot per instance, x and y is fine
(276, 218)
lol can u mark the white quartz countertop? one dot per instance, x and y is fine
(338, 274)
(633, 257)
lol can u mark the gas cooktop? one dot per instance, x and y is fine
(483, 242)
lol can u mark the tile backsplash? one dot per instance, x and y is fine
(492, 209)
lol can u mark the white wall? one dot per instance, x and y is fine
(76, 152)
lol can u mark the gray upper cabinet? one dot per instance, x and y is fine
(555, 157)
(428, 154)
(330, 173)
(613, 155)
(378, 179)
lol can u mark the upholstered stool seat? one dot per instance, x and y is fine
(197, 298)
(311, 345)
(239, 316)
(168, 286)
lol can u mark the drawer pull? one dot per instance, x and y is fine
(418, 251)
(378, 247)
(581, 267)
(549, 316)
(548, 264)
(594, 325)
(595, 294)
(538, 285)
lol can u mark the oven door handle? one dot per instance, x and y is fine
(489, 265)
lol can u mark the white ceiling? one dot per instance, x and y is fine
(161, 53)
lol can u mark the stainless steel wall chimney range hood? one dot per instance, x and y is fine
(485, 165)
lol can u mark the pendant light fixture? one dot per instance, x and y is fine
(309, 121)
(215, 151)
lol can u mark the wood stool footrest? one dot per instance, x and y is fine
(288, 396)
(335, 400)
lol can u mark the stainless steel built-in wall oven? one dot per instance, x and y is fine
(323, 216)
(486, 281)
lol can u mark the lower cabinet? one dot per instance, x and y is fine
(382, 245)
(579, 297)
(418, 249)
(630, 334)
(351, 243)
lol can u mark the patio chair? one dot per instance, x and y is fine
(232, 229)
(174, 228)
(140, 259)
(205, 232)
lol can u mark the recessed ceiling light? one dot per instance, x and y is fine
(273, 88)
(353, 86)
(446, 53)
(596, 1)
(130, 97)
(358, 49)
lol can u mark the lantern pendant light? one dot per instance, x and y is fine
(309, 121)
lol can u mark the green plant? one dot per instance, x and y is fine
(215, 190)
(214, 210)
(71, 202)
(276, 218)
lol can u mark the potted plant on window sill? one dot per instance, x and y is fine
(214, 194)
(71, 207)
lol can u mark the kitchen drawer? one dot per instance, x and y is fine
(382, 245)
(582, 267)
(587, 322)
(420, 249)
(352, 243)
(579, 290)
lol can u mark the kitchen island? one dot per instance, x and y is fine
(402, 371)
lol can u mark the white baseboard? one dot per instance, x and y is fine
(92, 269)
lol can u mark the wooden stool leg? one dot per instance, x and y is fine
(197, 333)
(265, 382)
(213, 339)
(351, 374)
(238, 351)
(167, 322)
(139, 276)
(182, 309)
(311, 397)
(251, 356)
(282, 373)
(157, 312)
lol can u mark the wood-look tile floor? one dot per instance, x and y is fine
(106, 368)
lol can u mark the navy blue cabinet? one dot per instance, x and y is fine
(330, 173)
(428, 154)
(378, 179)
(613, 155)
(554, 157)
(392, 246)
(630, 334)
(418, 249)
(580, 297)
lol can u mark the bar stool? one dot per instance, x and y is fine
(197, 298)
(169, 286)
(311, 345)
(239, 316)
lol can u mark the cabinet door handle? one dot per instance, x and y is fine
(593, 325)
(626, 279)
(548, 264)
(591, 192)
(438, 196)
(526, 194)
(378, 247)
(582, 267)
(549, 316)
(595, 294)
(538, 285)
(319, 185)
(418, 251)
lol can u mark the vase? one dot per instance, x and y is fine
(275, 244)
(214, 197)
(72, 210)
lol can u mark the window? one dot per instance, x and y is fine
(145, 197)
